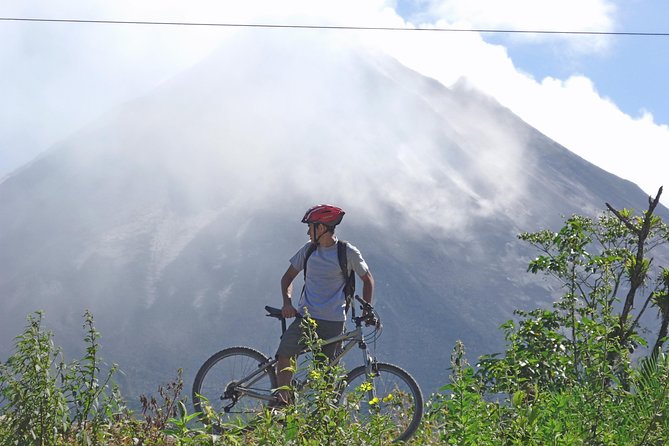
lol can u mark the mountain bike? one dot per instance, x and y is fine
(238, 383)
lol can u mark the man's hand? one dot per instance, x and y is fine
(288, 311)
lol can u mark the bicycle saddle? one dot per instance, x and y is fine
(273, 312)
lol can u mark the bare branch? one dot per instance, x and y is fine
(653, 202)
(623, 219)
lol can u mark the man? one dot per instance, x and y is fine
(323, 294)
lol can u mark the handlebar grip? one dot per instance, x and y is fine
(363, 302)
(365, 305)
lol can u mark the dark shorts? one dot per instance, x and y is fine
(292, 343)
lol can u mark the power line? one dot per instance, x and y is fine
(333, 27)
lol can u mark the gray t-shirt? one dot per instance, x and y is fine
(323, 294)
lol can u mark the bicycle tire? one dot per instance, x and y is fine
(394, 394)
(217, 373)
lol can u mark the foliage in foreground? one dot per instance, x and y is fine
(46, 401)
(582, 414)
(567, 376)
(41, 410)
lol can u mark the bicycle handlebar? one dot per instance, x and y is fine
(365, 305)
(369, 316)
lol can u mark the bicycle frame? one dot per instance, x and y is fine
(352, 337)
(242, 387)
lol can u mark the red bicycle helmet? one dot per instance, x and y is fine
(324, 213)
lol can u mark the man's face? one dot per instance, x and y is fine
(314, 231)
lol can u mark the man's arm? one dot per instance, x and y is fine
(288, 310)
(367, 287)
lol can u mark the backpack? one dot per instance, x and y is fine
(349, 287)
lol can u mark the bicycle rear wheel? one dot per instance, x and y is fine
(218, 389)
(390, 393)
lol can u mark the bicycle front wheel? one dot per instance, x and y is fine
(388, 393)
(225, 391)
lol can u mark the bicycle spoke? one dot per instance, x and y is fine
(215, 388)
(391, 395)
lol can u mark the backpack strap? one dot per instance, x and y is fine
(310, 250)
(349, 276)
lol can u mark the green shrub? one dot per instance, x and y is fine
(45, 400)
(34, 408)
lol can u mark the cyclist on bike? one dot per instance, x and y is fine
(323, 294)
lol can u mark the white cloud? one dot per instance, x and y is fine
(534, 15)
(577, 15)
(635, 148)
(523, 15)
(63, 75)
(57, 77)
(570, 111)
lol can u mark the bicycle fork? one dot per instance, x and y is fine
(371, 370)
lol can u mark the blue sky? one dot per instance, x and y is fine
(605, 98)
(632, 72)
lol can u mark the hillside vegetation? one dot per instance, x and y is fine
(584, 372)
